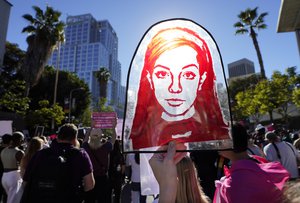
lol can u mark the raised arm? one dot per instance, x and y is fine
(114, 133)
(165, 172)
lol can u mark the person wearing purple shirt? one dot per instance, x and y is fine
(81, 173)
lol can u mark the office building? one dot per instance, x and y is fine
(288, 18)
(240, 68)
(4, 16)
(90, 45)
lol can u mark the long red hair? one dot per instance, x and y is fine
(148, 111)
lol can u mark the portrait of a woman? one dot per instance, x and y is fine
(177, 96)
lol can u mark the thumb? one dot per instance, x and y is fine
(171, 150)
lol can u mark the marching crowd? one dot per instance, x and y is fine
(261, 167)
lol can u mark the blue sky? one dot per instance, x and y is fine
(130, 19)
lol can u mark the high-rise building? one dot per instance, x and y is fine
(241, 67)
(4, 16)
(90, 45)
(288, 19)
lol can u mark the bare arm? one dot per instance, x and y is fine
(165, 172)
(19, 155)
(114, 134)
(88, 182)
(87, 135)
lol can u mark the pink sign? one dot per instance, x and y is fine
(104, 120)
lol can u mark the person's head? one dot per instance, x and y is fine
(6, 139)
(260, 129)
(291, 192)
(44, 139)
(68, 132)
(240, 141)
(17, 138)
(177, 80)
(95, 138)
(34, 145)
(177, 64)
(271, 137)
(188, 188)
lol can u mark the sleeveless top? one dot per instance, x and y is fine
(8, 158)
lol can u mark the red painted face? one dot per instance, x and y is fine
(175, 96)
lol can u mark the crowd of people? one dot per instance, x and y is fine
(261, 167)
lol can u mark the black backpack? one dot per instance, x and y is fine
(52, 180)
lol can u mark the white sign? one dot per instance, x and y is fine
(5, 127)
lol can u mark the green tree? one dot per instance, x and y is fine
(103, 75)
(102, 107)
(296, 97)
(295, 85)
(282, 86)
(13, 58)
(45, 31)
(12, 99)
(240, 85)
(67, 81)
(265, 95)
(43, 116)
(248, 22)
(86, 117)
(247, 105)
(12, 86)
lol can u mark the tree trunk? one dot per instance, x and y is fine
(271, 116)
(103, 89)
(255, 42)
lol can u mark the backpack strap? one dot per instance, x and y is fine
(250, 151)
(277, 151)
(290, 147)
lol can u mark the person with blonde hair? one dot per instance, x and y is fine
(34, 145)
(176, 176)
(188, 188)
(291, 192)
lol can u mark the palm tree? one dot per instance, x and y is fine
(103, 75)
(248, 22)
(45, 31)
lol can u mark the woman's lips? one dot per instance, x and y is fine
(175, 102)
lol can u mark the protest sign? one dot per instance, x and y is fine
(176, 90)
(104, 120)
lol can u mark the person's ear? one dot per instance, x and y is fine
(202, 80)
(149, 79)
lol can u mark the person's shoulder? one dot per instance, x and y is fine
(267, 146)
(108, 146)
(81, 152)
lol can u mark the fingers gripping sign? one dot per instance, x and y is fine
(164, 168)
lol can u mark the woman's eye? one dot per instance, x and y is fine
(161, 74)
(189, 75)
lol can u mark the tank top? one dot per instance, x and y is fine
(8, 158)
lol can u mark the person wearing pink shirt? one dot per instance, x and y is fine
(249, 179)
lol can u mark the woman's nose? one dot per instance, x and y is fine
(175, 86)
